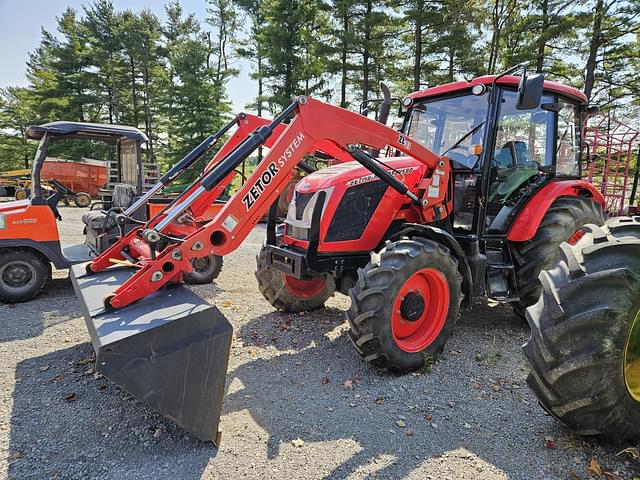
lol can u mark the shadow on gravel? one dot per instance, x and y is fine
(67, 424)
(54, 305)
(323, 392)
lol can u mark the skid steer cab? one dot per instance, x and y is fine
(471, 199)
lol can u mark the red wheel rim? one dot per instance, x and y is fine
(303, 288)
(430, 287)
(577, 235)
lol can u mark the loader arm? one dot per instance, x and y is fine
(315, 123)
(130, 246)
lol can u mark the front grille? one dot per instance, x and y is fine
(354, 212)
(302, 199)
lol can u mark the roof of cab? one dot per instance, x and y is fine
(96, 131)
(555, 87)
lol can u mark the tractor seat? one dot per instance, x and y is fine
(518, 149)
(123, 196)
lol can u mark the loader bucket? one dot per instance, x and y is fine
(169, 349)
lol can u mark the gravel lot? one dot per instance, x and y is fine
(290, 378)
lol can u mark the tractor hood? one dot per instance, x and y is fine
(350, 174)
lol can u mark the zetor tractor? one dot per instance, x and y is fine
(471, 199)
(584, 349)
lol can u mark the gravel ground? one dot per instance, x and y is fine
(300, 403)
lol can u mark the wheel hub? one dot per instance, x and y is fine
(420, 310)
(201, 263)
(17, 275)
(412, 307)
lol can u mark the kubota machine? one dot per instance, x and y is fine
(472, 199)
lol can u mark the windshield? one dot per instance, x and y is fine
(439, 124)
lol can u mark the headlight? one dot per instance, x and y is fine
(3, 222)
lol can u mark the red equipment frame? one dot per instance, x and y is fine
(315, 126)
(611, 144)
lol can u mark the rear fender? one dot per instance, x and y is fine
(49, 250)
(444, 238)
(528, 220)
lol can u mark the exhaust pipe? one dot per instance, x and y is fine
(383, 113)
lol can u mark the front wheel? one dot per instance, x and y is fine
(23, 275)
(290, 294)
(405, 304)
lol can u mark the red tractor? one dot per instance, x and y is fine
(472, 199)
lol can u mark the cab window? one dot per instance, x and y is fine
(568, 151)
(438, 124)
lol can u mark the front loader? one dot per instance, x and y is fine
(473, 197)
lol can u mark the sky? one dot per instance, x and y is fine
(21, 22)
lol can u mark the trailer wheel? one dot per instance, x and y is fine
(584, 349)
(289, 294)
(82, 200)
(405, 304)
(23, 274)
(21, 193)
(205, 270)
(562, 222)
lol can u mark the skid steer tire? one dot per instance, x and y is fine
(584, 328)
(288, 294)
(388, 292)
(23, 274)
(562, 222)
(205, 270)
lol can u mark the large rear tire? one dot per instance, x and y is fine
(289, 294)
(23, 274)
(405, 304)
(584, 349)
(562, 222)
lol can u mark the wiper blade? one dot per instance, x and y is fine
(464, 137)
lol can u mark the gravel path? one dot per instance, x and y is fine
(300, 403)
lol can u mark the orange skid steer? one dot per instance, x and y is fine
(153, 336)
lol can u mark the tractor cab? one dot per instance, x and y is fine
(501, 149)
(29, 240)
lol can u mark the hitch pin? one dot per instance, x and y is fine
(124, 263)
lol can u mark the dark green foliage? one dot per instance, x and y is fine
(170, 78)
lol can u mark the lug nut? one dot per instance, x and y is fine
(197, 246)
(176, 254)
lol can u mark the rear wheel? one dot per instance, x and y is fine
(405, 304)
(23, 275)
(290, 294)
(563, 222)
(205, 270)
(584, 349)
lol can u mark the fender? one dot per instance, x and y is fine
(443, 237)
(50, 250)
(526, 223)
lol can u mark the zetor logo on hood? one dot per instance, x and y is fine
(270, 172)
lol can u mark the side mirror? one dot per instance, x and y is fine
(530, 91)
